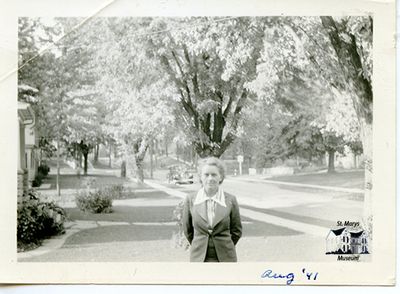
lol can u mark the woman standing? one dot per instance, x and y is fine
(211, 218)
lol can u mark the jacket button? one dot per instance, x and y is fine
(210, 232)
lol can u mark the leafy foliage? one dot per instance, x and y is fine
(309, 87)
(38, 220)
(209, 65)
(114, 191)
(97, 201)
(279, 86)
(178, 237)
(44, 169)
(37, 181)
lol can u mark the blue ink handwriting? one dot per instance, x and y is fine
(269, 274)
(309, 275)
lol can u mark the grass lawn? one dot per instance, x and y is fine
(345, 179)
(73, 182)
(126, 214)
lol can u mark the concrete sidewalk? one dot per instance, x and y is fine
(292, 184)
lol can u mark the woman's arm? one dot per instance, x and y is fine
(187, 220)
(236, 223)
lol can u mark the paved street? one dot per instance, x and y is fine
(281, 223)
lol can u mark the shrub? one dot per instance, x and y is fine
(37, 181)
(44, 169)
(114, 191)
(98, 201)
(178, 238)
(38, 220)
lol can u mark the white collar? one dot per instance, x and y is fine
(219, 197)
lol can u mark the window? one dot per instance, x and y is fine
(344, 239)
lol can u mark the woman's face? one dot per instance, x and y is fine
(210, 177)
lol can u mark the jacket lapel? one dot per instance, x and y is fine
(220, 213)
(201, 210)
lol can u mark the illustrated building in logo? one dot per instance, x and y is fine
(343, 241)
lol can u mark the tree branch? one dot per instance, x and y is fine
(350, 59)
(184, 81)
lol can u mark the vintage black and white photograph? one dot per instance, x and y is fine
(192, 139)
(195, 138)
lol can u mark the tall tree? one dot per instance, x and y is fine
(209, 61)
(351, 39)
(338, 53)
(133, 88)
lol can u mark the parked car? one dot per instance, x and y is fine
(180, 175)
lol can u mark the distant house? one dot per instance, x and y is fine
(28, 141)
(342, 241)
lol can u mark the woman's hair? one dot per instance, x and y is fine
(213, 161)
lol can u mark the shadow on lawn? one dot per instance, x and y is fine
(75, 182)
(100, 165)
(132, 232)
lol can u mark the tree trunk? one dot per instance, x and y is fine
(139, 148)
(96, 153)
(192, 156)
(84, 150)
(85, 162)
(123, 169)
(352, 65)
(151, 159)
(331, 161)
(139, 170)
(321, 159)
(58, 168)
(367, 147)
(354, 160)
(109, 155)
(80, 159)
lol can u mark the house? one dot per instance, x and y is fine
(358, 242)
(27, 154)
(342, 241)
(31, 150)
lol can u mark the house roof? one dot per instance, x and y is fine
(338, 232)
(356, 234)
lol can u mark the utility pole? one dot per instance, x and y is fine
(151, 159)
(58, 166)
